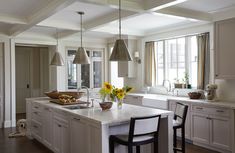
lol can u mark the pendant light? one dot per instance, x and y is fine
(57, 59)
(81, 56)
(120, 51)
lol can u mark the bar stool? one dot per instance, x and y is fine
(143, 130)
(179, 123)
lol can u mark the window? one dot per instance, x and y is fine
(175, 58)
(90, 75)
(114, 79)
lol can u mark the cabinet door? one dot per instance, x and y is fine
(65, 142)
(200, 128)
(79, 135)
(57, 136)
(224, 49)
(187, 122)
(47, 127)
(220, 133)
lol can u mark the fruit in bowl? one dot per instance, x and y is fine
(194, 95)
(67, 99)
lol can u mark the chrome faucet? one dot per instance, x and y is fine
(87, 90)
(169, 85)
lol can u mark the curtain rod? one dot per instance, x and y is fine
(196, 34)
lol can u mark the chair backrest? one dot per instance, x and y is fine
(180, 113)
(140, 126)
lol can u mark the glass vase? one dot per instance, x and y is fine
(119, 103)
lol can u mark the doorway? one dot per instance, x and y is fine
(32, 75)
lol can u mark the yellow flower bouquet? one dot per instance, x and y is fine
(113, 92)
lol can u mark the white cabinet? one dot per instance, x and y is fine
(36, 123)
(85, 137)
(133, 100)
(47, 126)
(78, 129)
(211, 127)
(128, 69)
(200, 128)
(60, 134)
(224, 49)
(172, 105)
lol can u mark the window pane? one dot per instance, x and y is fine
(85, 75)
(72, 70)
(97, 70)
(160, 62)
(97, 54)
(193, 61)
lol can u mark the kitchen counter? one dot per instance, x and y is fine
(167, 98)
(100, 123)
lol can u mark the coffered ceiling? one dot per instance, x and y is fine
(139, 17)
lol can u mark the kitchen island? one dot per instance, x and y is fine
(87, 130)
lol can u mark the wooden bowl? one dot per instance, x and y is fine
(56, 94)
(75, 94)
(106, 105)
(52, 94)
(194, 95)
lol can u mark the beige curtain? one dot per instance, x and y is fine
(150, 64)
(203, 60)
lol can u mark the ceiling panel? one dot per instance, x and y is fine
(21, 8)
(69, 15)
(207, 5)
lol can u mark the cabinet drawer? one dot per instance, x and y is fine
(220, 111)
(36, 130)
(36, 106)
(211, 110)
(36, 115)
(200, 109)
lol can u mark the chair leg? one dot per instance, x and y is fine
(183, 139)
(130, 149)
(155, 146)
(175, 140)
(111, 145)
(137, 149)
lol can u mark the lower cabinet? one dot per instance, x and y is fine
(61, 135)
(47, 129)
(211, 127)
(85, 137)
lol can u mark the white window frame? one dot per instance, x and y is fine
(92, 59)
(187, 58)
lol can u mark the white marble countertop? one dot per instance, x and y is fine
(166, 98)
(113, 116)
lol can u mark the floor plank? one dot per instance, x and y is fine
(25, 145)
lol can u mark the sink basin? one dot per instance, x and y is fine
(74, 107)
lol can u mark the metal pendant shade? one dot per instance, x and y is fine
(57, 59)
(81, 56)
(120, 51)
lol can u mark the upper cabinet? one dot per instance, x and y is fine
(128, 69)
(225, 49)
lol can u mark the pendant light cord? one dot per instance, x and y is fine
(120, 26)
(56, 39)
(81, 30)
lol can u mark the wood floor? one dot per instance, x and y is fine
(24, 145)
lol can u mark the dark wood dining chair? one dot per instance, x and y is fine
(179, 123)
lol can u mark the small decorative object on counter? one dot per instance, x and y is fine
(194, 95)
(115, 94)
(211, 92)
(106, 105)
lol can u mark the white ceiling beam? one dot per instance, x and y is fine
(153, 5)
(186, 13)
(50, 9)
(128, 5)
(12, 19)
